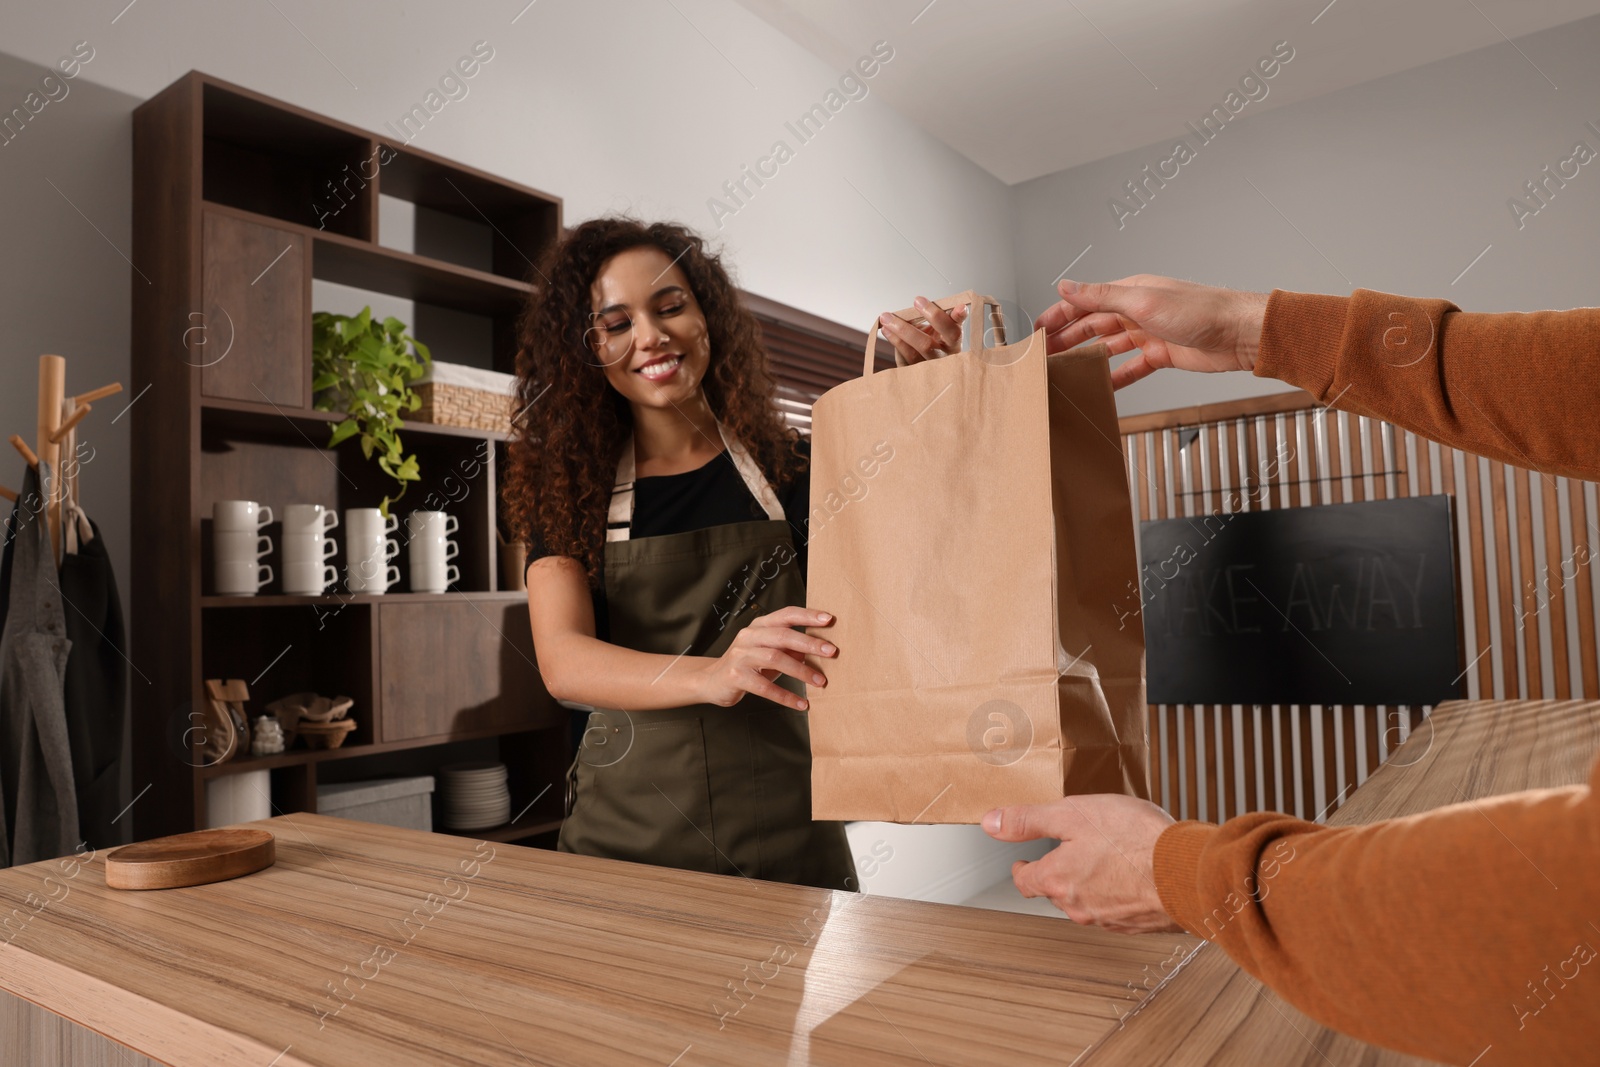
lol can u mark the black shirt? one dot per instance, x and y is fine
(710, 495)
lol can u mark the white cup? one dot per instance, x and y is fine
(309, 519)
(242, 578)
(239, 546)
(303, 548)
(371, 576)
(430, 526)
(239, 515)
(308, 579)
(368, 550)
(433, 574)
(441, 550)
(369, 522)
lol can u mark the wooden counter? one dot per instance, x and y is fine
(546, 958)
(338, 955)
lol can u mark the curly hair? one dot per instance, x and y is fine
(570, 424)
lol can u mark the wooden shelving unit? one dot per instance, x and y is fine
(240, 202)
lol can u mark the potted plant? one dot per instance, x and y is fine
(365, 368)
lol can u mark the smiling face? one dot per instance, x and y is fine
(647, 330)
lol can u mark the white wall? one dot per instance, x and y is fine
(1396, 185)
(630, 106)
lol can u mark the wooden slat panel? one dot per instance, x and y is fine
(1173, 755)
(1252, 765)
(1402, 460)
(1308, 763)
(1191, 785)
(1158, 789)
(1270, 498)
(1161, 462)
(1236, 466)
(1334, 422)
(1582, 554)
(1285, 717)
(1473, 476)
(1193, 500)
(1533, 661)
(1141, 479)
(1330, 759)
(1381, 463)
(1506, 653)
(1230, 765)
(1228, 474)
(1553, 587)
(1356, 769)
(1209, 437)
(1252, 469)
(1296, 466)
(1269, 756)
(1377, 722)
(1313, 463)
(1357, 485)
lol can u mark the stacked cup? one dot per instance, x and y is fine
(306, 548)
(368, 548)
(431, 550)
(238, 545)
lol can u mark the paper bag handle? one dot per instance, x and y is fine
(970, 297)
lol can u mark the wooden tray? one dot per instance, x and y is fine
(196, 858)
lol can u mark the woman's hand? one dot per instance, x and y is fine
(763, 650)
(940, 337)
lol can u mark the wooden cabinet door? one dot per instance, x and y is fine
(457, 666)
(257, 316)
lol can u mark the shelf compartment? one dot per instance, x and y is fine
(272, 160)
(285, 650)
(520, 222)
(279, 461)
(413, 277)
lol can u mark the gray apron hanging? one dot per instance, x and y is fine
(702, 787)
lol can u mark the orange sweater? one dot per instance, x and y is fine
(1428, 934)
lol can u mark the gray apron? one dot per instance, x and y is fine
(702, 787)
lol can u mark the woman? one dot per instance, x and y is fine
(663, 502)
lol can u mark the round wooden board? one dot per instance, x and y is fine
(196, 858)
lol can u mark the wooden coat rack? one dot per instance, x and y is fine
(56, 421)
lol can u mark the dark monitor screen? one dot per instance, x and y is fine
(1338, 604)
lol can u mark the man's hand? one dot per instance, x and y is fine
(1101, 874)
(1172, 323)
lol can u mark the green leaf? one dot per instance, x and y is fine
(324, 380)
(345, 430)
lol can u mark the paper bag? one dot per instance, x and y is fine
(971, 532)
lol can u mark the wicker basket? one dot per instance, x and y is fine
(453, 395)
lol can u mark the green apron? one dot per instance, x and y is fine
(702, 787)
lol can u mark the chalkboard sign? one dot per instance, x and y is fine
(1340, 604)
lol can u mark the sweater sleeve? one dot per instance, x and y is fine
(1439, 934)
(1520, 388)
